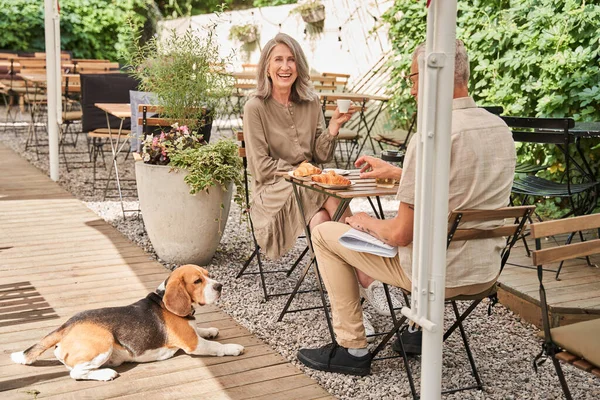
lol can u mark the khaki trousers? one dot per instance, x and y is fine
(336, 265)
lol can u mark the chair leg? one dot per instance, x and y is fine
(561, 378)
(296, 290)
(467, 347)
(247, 263)
(289, 272)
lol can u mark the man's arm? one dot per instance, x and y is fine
(371, 167)
(395, 232)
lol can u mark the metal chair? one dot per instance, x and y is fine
(256, 252)
(575, 344)
(578, 183)
(459, 232)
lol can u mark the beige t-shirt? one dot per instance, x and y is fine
(482, 167)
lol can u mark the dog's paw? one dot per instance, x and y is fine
(103, 374)
(19, 357)
(210, 333)
(233, 349)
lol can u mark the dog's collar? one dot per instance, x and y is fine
(157, 297)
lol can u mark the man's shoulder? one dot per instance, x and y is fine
(477, 119)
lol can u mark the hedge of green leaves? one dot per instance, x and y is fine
(533, 57)
(89, 28)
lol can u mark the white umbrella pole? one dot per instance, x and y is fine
(52, 34)
(436, 83)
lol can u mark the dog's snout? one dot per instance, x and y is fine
(217, 287)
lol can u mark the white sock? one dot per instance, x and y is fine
(358, 352)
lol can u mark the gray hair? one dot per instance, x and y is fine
(462, 70)
(302, 89)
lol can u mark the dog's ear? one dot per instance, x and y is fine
(176, 299)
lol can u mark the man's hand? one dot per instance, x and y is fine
(359, 221)
(371, 167)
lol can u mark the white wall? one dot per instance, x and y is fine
(363, 38)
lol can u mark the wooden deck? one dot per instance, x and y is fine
(573, 298)
(57, 258)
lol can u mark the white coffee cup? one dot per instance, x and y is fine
(343, 105)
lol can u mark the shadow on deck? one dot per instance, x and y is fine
(57, 258)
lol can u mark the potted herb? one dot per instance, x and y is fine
(185, 184)
(246, 33)
(311, 11)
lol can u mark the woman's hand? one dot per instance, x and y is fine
(338, 119)
(372, 167)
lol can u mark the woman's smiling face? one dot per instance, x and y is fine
(282, 67)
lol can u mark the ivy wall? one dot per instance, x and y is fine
(533, 57)
(89, 28)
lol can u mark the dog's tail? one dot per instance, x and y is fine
(34, 352)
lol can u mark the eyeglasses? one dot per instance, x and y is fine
(409, 79)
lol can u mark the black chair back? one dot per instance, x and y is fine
(104, 88)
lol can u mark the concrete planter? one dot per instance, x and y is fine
(183, 228)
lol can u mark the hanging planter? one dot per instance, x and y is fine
(312, 12)
(247, 33)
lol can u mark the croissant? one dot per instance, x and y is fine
(331, 178)
(306, 169)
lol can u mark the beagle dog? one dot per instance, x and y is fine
(152, 329)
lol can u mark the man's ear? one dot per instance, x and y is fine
(176, 298)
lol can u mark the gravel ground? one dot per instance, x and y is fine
(503, 344)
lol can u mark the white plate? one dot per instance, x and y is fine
(328, 186)
(337, 171)
(302, 178)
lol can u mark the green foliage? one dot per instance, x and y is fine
(89, 29)
(270, 3)
(185, 71)
(307, 7)
(210, 165)
(533, 57)
(243, 32)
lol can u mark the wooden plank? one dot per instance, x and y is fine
(584, 365)
(551, 228)
(566, 357)
(474, 234)
(559, 253)
(493, 215)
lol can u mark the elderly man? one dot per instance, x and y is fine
(481, 174)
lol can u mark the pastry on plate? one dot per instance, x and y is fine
(331, 178)
(306, 169)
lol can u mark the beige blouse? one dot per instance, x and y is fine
(279, 138)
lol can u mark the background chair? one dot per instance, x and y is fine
(459, 229)
(578, 343)
(578, 183)
(103, 88)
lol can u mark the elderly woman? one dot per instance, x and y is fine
(283, 126)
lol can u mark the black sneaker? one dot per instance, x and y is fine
(412, 342)
(335, 358)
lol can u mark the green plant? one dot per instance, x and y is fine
(207, 164)
(157, 149)
(185, 71)
(307, 7)
(211, 164)
(245, 33)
